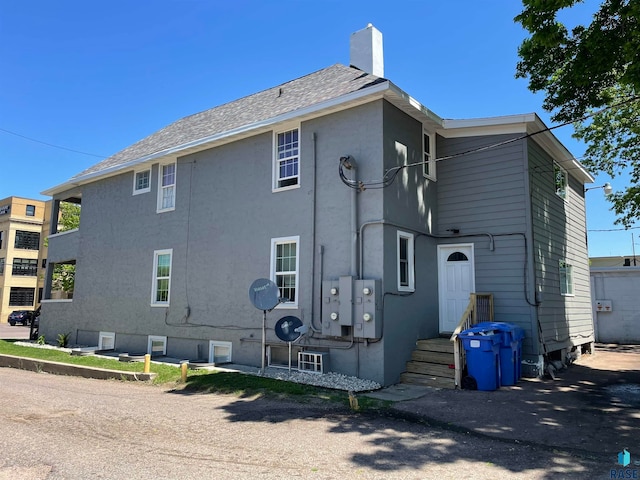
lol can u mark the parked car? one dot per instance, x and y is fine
(20, 316)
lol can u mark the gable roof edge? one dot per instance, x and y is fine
(351, 99)
(530, 125)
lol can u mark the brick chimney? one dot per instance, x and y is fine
(366, 50)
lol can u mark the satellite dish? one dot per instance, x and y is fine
(263, 294)
(287, 328)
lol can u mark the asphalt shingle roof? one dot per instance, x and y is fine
(320, 86)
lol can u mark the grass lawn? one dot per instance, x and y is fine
(198, 381)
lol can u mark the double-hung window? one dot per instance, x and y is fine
(30, 211)
(1, 266)
(161, 278)
(287, 159)
(429, 155)
(141, 181)
(167, 187)
(566, 278)
(285, 260)
(406, 272)
(561, 180)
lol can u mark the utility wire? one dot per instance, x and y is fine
(391, 174)
(614, 229)
(51, 144)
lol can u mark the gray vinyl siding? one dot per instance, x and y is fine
(559, 232)
(484, 192)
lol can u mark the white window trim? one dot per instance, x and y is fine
(157, 338)
(567, 281)
(216, 343)
(432, 155)
(410, 260)
(274, 243)
(161, 188)
(275, 163)
(562, 194)
(154, 278)
(135, 183)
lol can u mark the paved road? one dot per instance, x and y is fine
(54, 427)
(17, 332)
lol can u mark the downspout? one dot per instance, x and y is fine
(354, 220)
(313, 238)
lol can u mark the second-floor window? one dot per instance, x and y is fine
(141, 182)
(31, 211)
(167, 187)
(1, 239)
(27, 240)
(1, 266)
(25, 267)
(429, 155)
(287, 159)
(561, 180)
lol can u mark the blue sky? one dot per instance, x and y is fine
(94, 77)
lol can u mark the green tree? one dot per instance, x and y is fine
(64, 273)
(69, 216)
(591, 76)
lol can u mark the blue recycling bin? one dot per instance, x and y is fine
(483, 356)
(510, 350)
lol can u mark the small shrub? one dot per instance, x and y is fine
(63, 339)
(41, 340)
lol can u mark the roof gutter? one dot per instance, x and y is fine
(357, 97)
(526, 124)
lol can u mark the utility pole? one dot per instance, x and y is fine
(633, 247)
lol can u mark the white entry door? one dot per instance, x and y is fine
(456, 281)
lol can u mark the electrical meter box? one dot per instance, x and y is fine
(337, 305)
(367, 315)
(357, 304)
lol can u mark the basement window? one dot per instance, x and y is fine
(219, 352)
(157, 345)
(106, 341)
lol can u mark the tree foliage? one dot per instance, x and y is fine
(69, 216)
(591, 76)
(64, 274)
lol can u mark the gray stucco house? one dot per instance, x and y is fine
(376, 218)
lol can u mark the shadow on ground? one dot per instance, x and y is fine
(571, 426)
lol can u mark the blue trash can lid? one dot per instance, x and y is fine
(516, 332)
(478, 331)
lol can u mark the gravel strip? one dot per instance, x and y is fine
(333, 380)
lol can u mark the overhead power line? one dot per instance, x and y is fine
(51, 144)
